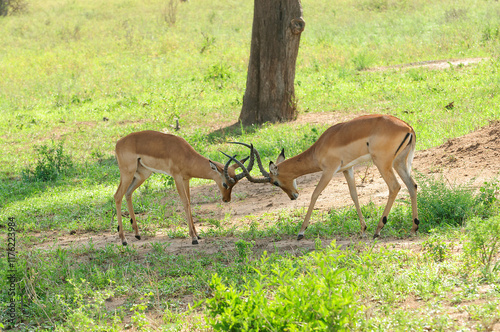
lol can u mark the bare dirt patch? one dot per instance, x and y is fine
(432, 64)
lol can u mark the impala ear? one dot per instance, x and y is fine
(214, 167)
(273, 169)
(281, 157)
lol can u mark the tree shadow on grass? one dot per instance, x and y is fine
(234, 130)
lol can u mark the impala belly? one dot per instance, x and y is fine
(345, 156)
(356, 161)
(162, 171)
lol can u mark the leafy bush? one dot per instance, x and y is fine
(441, 204)
(52, 161)
(288, 298)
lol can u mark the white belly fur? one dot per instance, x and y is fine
(154, 170)
(356, 161)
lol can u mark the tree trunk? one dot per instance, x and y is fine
(270, 93)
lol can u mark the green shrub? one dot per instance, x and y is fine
(286, 297)
(52, 161)
(442, 204)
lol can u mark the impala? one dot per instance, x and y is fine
(142, 153)
(387, 140)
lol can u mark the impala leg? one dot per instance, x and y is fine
(125, 181)
(180, 183)
(392, 182)
(323, 182)
(404, 173)
(140, 176)
(349, 176)
(188, 191)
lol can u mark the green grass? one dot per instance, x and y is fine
(78, 75)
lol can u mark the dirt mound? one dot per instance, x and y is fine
(474, 155)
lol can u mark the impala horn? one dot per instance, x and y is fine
(257, 155)
(247, 172)
(240, 176)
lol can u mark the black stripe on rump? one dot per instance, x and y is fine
(404, 140)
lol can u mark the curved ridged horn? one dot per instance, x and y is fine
(257, 155)
(240, 176)
(247, 173)
(226, 166)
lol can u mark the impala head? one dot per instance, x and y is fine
(281, 179)
(227, 177)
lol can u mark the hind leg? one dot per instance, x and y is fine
(140, 176)
(392, 182)
(126, 180)
(404, 173)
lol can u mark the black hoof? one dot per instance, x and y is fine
(300, 237)
(124, 243)
(199, 237)
(138, 237)
(194, 242)
(375, 236)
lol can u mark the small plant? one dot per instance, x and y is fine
(455, 14)
(436, 248)
(488, 193)
(362, 61)
(52, 162)
(138, 319)
(491, 33)
(170, 12)
(244, 249)
(483, 246)
(218, 72)
(374, 5)
(208, 41)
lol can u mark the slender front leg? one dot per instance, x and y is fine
(323, 182)
(181, 185)
(349, 176)
(186, 187)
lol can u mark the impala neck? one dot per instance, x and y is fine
(203, 169)
(301, 164)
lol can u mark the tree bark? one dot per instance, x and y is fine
(270, 93)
